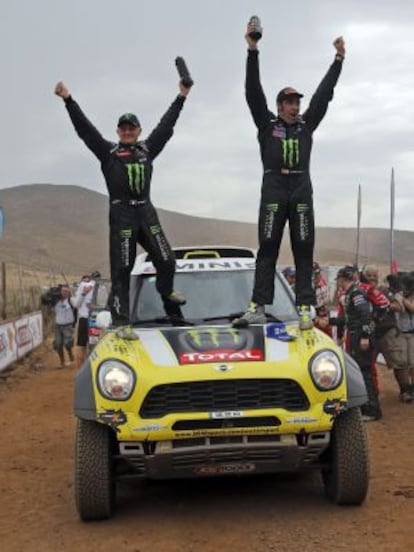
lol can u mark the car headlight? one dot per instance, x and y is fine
(326, 370)
(116, 380)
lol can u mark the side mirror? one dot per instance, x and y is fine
(103, 320)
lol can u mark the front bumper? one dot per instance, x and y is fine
(215, 456)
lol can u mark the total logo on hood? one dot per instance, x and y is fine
(217, 345)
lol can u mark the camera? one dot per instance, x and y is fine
(50, 297)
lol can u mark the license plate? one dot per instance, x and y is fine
(222, 469)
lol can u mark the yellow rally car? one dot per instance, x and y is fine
(167, 398)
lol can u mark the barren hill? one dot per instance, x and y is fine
(66, 227)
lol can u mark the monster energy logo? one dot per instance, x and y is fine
(212, 338)
(136, 176)
(302, 207)
(126, 233)
(155, 229)
(302, 210)
(290, 148)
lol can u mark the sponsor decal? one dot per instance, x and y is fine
(290, 151)
(271, 210)
(250, 355)
(222, 469)
(211, 338)
(24, 336)
(278, 331)
(303, 213)
(136, 176)
(218, 345)
(334, 407)
(226, 414)
(301, 420)
(124, 153)
(224, 432)
(279, 131)
(113, 418)
(151, 427)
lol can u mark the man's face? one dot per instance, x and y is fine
(289, 109)
(343, 284)
(372, 277)
(64, 292)
(128, 134)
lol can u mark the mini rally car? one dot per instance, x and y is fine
(167, 398)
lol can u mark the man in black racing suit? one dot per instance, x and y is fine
(127, 168)
(360, 325)
(285, 146)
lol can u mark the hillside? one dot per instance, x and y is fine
(66, 228)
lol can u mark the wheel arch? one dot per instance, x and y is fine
(356, 390)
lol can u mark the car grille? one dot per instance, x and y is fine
(219, 396)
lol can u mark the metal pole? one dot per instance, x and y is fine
(359, 206)
(392, 216)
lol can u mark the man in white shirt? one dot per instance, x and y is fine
(81, 302)
(64, 322)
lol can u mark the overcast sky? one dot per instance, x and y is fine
(119, 56)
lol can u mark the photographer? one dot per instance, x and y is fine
(64, 322)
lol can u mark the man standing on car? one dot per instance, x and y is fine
(285, 145)
(127, 168)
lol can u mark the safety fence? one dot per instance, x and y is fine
(19, 336)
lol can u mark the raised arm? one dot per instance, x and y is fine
(165, 128)
(84, 128)
(256, 100)
(324, 93)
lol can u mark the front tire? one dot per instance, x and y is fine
(94, 479)
(346, 478)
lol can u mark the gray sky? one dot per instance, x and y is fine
(119, 56)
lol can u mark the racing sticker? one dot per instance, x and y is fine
(113, 418)
(216, 344)
(225, 469)
(333, 407)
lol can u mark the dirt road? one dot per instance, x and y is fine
(258, 514)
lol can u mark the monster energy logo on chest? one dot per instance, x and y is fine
(290, 151)
(136, 176)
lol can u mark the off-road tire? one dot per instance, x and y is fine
(94, 481)
(347, 477)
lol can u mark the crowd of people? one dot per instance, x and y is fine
(70, 306)
(367, 318)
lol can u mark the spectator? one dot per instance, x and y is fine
(290, 274)
(81, 302)
(64, 323)
(359, 322)
(406, 326)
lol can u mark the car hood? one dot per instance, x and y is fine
(219, 344)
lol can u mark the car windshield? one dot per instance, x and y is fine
(211, 294)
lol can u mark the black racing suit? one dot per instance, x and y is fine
(127, 170)
(286, 187)
(359, 320)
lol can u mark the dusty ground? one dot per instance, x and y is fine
(37, 511)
